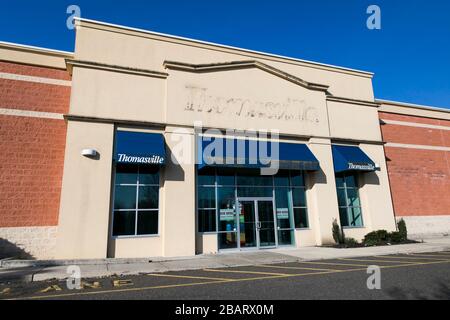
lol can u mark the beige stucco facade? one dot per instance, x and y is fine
(130, 79)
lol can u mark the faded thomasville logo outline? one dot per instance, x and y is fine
(199, 100)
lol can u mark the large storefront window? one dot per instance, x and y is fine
(206, 195)
(247, 209)
(348, 198)
(136, 200)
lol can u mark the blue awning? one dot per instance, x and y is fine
(349, 158)
(139, 148)
(245, 153)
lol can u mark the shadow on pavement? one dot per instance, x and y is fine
(441, 293)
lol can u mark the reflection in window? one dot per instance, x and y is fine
(299, 200)
(350, 212)
(206, 202)
(136, 200)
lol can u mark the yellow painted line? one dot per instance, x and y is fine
(440, 256)
(294, 268)
(412, 258)
(334, 264)
(185, 277)
(445, 253)
(54, 287)
(374, 260)
(247, 272)
(122, 283)
(120, 290)
(228, 281)
(412, 264)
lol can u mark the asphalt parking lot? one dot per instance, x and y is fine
(414, 276)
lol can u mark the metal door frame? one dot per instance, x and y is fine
(255, 201)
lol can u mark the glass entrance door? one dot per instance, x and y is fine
(247, 224)
(256, 223)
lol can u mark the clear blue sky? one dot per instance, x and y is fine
(410, 55)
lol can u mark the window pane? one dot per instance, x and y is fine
(225, 176)
(124, 223)
(339, 181)
(206, 176)
(227, 220)
(227, 240)
(126, 173)
(297, 179)
(149, 175)
(283, 208)
(206, 220)
(283, 218)
(301, 217)
(350, 181)
(285, 237)
(125, 197)
(254, 179)
(282, 179)
(342, 200)
(353, 198)
(227, 212)
(343, 215)
(206, 197)
(226, 197)
(282, 197)
(355, 217)
(148, 197)
(147, 222)
(254, 192)
(299, 197)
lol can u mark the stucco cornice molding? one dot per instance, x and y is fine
(113, 68)
(347, 141)
(353, 101)
(93, 24)
(162, 126)
(244, 64)
(33, 49)
(33, 56)
(411, 109)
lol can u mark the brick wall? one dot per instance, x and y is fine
(31, 165)
(33, 88)
(419, 176)
(31, 143)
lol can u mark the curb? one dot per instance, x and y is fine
(9, 263)
(160, 265)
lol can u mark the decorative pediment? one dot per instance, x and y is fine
(244, 64)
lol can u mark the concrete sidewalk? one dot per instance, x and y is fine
(28, 271)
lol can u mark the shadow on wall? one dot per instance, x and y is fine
(318, 177)
(11, 250)
(370, 178)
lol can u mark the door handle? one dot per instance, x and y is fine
(258, 225)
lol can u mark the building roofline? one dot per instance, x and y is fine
(222, 46)
(412, 105)
(41, 50)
